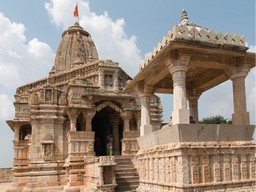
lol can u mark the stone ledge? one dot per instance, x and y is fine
(197, 133)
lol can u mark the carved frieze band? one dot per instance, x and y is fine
(171, 167)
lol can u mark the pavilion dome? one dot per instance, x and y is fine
(75, 48)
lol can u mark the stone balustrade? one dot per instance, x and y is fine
(129, 143)
(99, 174)
(21, 155)
(80, 144)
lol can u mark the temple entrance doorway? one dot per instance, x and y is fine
(107, 123)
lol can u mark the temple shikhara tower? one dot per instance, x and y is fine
(90, 127)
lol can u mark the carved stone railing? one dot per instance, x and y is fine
(129, 143)
(198, 166)
(80, 144)
(21, 155)
(100, 174)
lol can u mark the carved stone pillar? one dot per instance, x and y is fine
(237, 75)
(16, 132)
(145, 126)
(126, 117)
(88, 116)
(178, 70)
(101, 78)
(193, 108)
(138, 122)
(116, 138)
(115, 79)
(72, 113)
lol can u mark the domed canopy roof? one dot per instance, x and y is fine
(75, 48)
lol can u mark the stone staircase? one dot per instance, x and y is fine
(127, 178)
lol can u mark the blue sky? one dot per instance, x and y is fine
(123, 31)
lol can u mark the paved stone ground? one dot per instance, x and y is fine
(5, 186)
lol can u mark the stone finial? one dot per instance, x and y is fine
(184, 17)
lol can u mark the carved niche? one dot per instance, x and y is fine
(48, 147)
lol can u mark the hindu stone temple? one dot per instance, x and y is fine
(66, 123)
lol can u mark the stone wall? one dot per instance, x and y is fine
(6, 175)
(198, 166)
(196, 133)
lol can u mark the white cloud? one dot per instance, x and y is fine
(21, 61)
(109, 36)
(6, 105)
(217, 101)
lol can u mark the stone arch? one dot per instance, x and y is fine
(108, 104)
(107, 122)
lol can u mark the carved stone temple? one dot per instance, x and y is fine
(63, 123)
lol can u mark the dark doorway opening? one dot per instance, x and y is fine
(107, 122)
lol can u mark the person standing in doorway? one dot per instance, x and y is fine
(109, 145)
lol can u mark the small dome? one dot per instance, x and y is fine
(75, 48)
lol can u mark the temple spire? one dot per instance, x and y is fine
(184, 17)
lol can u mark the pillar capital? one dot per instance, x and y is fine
(89, 113)
(126, 115)
(144, 90)
(234, 72)
(73, 114)
(193, 95)
(180, 64)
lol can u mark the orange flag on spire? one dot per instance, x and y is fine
(76, 11)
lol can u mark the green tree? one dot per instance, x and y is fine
(218, 119)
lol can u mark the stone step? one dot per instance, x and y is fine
(124, 166)
(127, 178)
(130, 179)
(125, 188)
(127, 174)
(127, 170)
